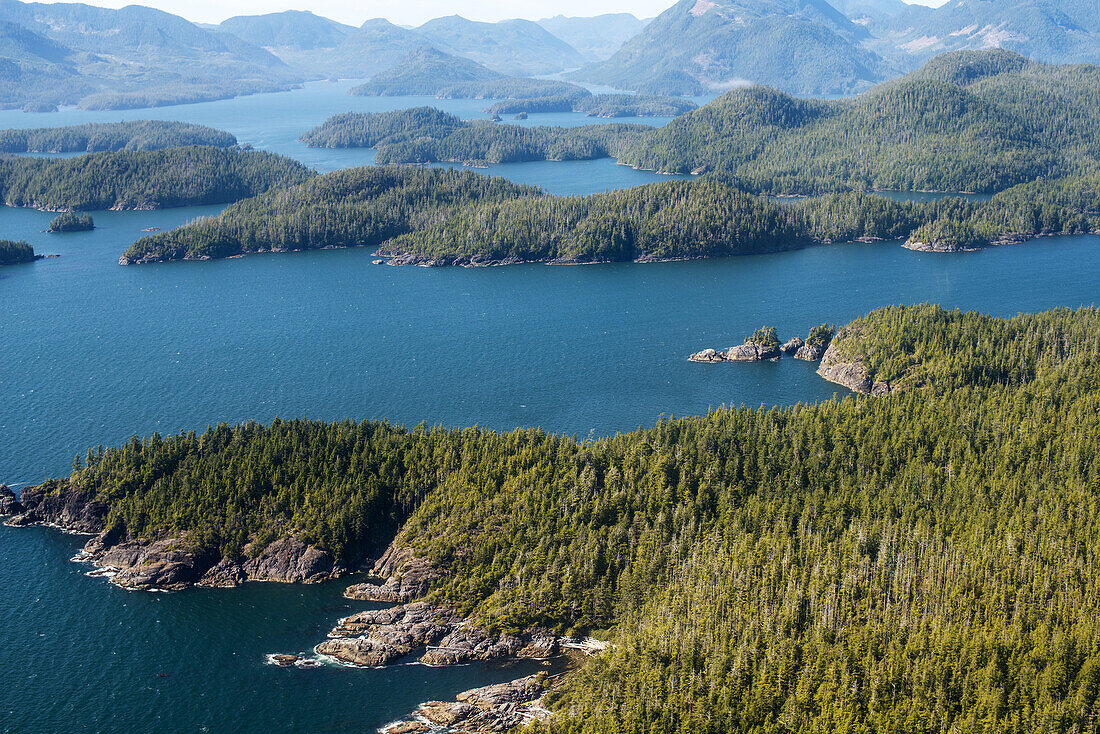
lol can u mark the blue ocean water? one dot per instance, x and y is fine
(92, 353)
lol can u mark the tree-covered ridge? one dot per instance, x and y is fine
(172, 177)
(94, 137)
(598, 105)
(356, 207)
(446, 217)
(16, 252)
(428, 135)
(918, 346)
(969, 123)
(916, 562)
(1060, 206)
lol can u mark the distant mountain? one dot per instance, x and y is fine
(597, 38)
(800, 46)
(298, 30)
(1057, 31)
(871, 14)
(513, 47)
(135, 56)
(425, 72)
(372, 47)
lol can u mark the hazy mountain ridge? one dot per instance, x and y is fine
(801, 46)
(598, 37)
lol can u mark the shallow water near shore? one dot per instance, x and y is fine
(92, 353)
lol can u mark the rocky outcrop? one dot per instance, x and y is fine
(495, 708)
(407, 577)
(383, 636)
(792, 346)
(751, 353)
(467, 644)
(64, 505)
(707, 355)
(938, 245)
(810, 352)
(164, 563)
(9, 503)
(851, 373)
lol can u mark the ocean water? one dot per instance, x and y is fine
(275, 121)
(92, 353)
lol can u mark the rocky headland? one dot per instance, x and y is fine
(494, 708)
(850, 372)
(165, 563)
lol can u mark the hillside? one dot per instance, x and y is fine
(700, 45)
(596, 38)
(295, 30)
(154, 179)
(94, 137)
(969, 121)
(871, 561)
(511, 47)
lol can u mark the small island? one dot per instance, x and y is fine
(764, 344)
(16, 252)
(72, 222)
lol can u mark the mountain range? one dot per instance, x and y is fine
(71, 53)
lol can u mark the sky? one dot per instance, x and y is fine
(408, 12)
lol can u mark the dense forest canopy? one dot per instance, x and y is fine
(448, 217)
(71, 222)
(94, 137)
(919, 562)
(428, 135)
(184, 176)
(967, 121)
(14, 253)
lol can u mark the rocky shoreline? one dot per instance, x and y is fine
(754, 352)
(166, 564)
(494, 708)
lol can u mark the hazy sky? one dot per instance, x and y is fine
(411, 12)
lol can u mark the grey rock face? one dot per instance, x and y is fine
(851, 374)
(407, 577)
(751, 353)
(707, 355)
(810, 352)
(64, 505)
(9, 505)
(793, 345)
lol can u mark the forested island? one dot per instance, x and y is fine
(428, 135)
(186, 176)
(16, 252)
(968, 121)
(598, 105)
(94, 137)
(444, 217)
(71, 222)
(897, 558)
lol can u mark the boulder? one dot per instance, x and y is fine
(707, 355)
(446, 713)
(793, 345)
